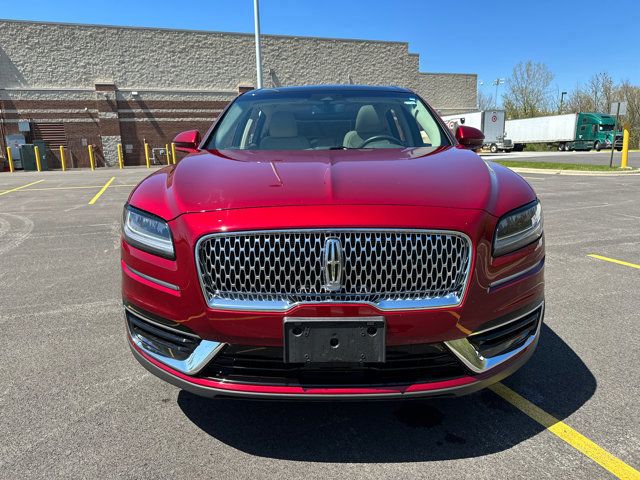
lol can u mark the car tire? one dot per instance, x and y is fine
(561, 147)
(493, 148)
(618, 149)
(597, 146)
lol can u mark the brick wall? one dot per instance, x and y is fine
(144, 83)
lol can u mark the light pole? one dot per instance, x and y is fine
(497, 82)
(562, 101)
(256, 25)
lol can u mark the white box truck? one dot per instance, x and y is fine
(572, 131)
(490, 122)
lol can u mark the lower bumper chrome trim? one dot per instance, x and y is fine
(472, 359)
(199, 358)
(248, 391)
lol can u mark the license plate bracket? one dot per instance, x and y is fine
(334, 340)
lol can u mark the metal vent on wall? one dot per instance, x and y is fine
(51, 133)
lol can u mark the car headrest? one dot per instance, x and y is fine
(367, 120)
(283, 124)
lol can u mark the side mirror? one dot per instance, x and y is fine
(469, 137)
(187, 141)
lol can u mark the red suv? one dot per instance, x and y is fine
(332, 242)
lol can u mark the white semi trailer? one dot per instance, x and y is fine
(490, 122)
(572, 131)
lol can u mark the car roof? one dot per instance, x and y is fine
(328, 88)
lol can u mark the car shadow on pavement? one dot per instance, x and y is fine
(555, 379)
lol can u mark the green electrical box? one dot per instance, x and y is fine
(28, 156)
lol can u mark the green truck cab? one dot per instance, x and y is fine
(596, 130)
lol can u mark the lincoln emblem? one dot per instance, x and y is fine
(332, 264)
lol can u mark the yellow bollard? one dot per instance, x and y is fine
(36, 150)
(91, 161)
(62, 162)
(625, 147)
(10, 159)
(173, 152)
(166, 149)
(146, 154)
(120, 159)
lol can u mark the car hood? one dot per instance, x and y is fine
(216, 180)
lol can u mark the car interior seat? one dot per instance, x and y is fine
(368, 125)
(283, 134)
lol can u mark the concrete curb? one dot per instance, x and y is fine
(551, 171)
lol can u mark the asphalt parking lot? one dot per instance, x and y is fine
(75, 404)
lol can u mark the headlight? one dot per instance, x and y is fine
(518, 229)
(147, 232)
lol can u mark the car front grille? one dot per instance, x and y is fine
(406, 364)
(391, 269)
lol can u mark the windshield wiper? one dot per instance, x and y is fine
(342, 147)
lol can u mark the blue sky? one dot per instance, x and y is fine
(575, 39)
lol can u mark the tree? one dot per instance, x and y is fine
(631, 94)
(485, 102)
(597, 96)
(600, 88)
(527, 92)
(579, 101)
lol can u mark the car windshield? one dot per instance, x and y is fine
(324, 120)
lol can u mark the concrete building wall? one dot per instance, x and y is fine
(66, 69)
(449, 92)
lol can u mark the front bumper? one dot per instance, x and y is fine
(518, 333)
(617, 143)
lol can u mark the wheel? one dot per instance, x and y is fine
(493, 148)
(618, 149)
(597, 146)
(567, 147)
(561, 147)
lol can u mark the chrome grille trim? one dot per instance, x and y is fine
(309, 289)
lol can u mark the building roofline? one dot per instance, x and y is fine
(448, 73)
(188, 30)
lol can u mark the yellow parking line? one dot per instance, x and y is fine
(20, 188)
(82, 187)
(613, 260)
(102, 190)
(44, 189)
(568, 434)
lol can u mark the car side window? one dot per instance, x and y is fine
(429, 131)
(228, 129)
